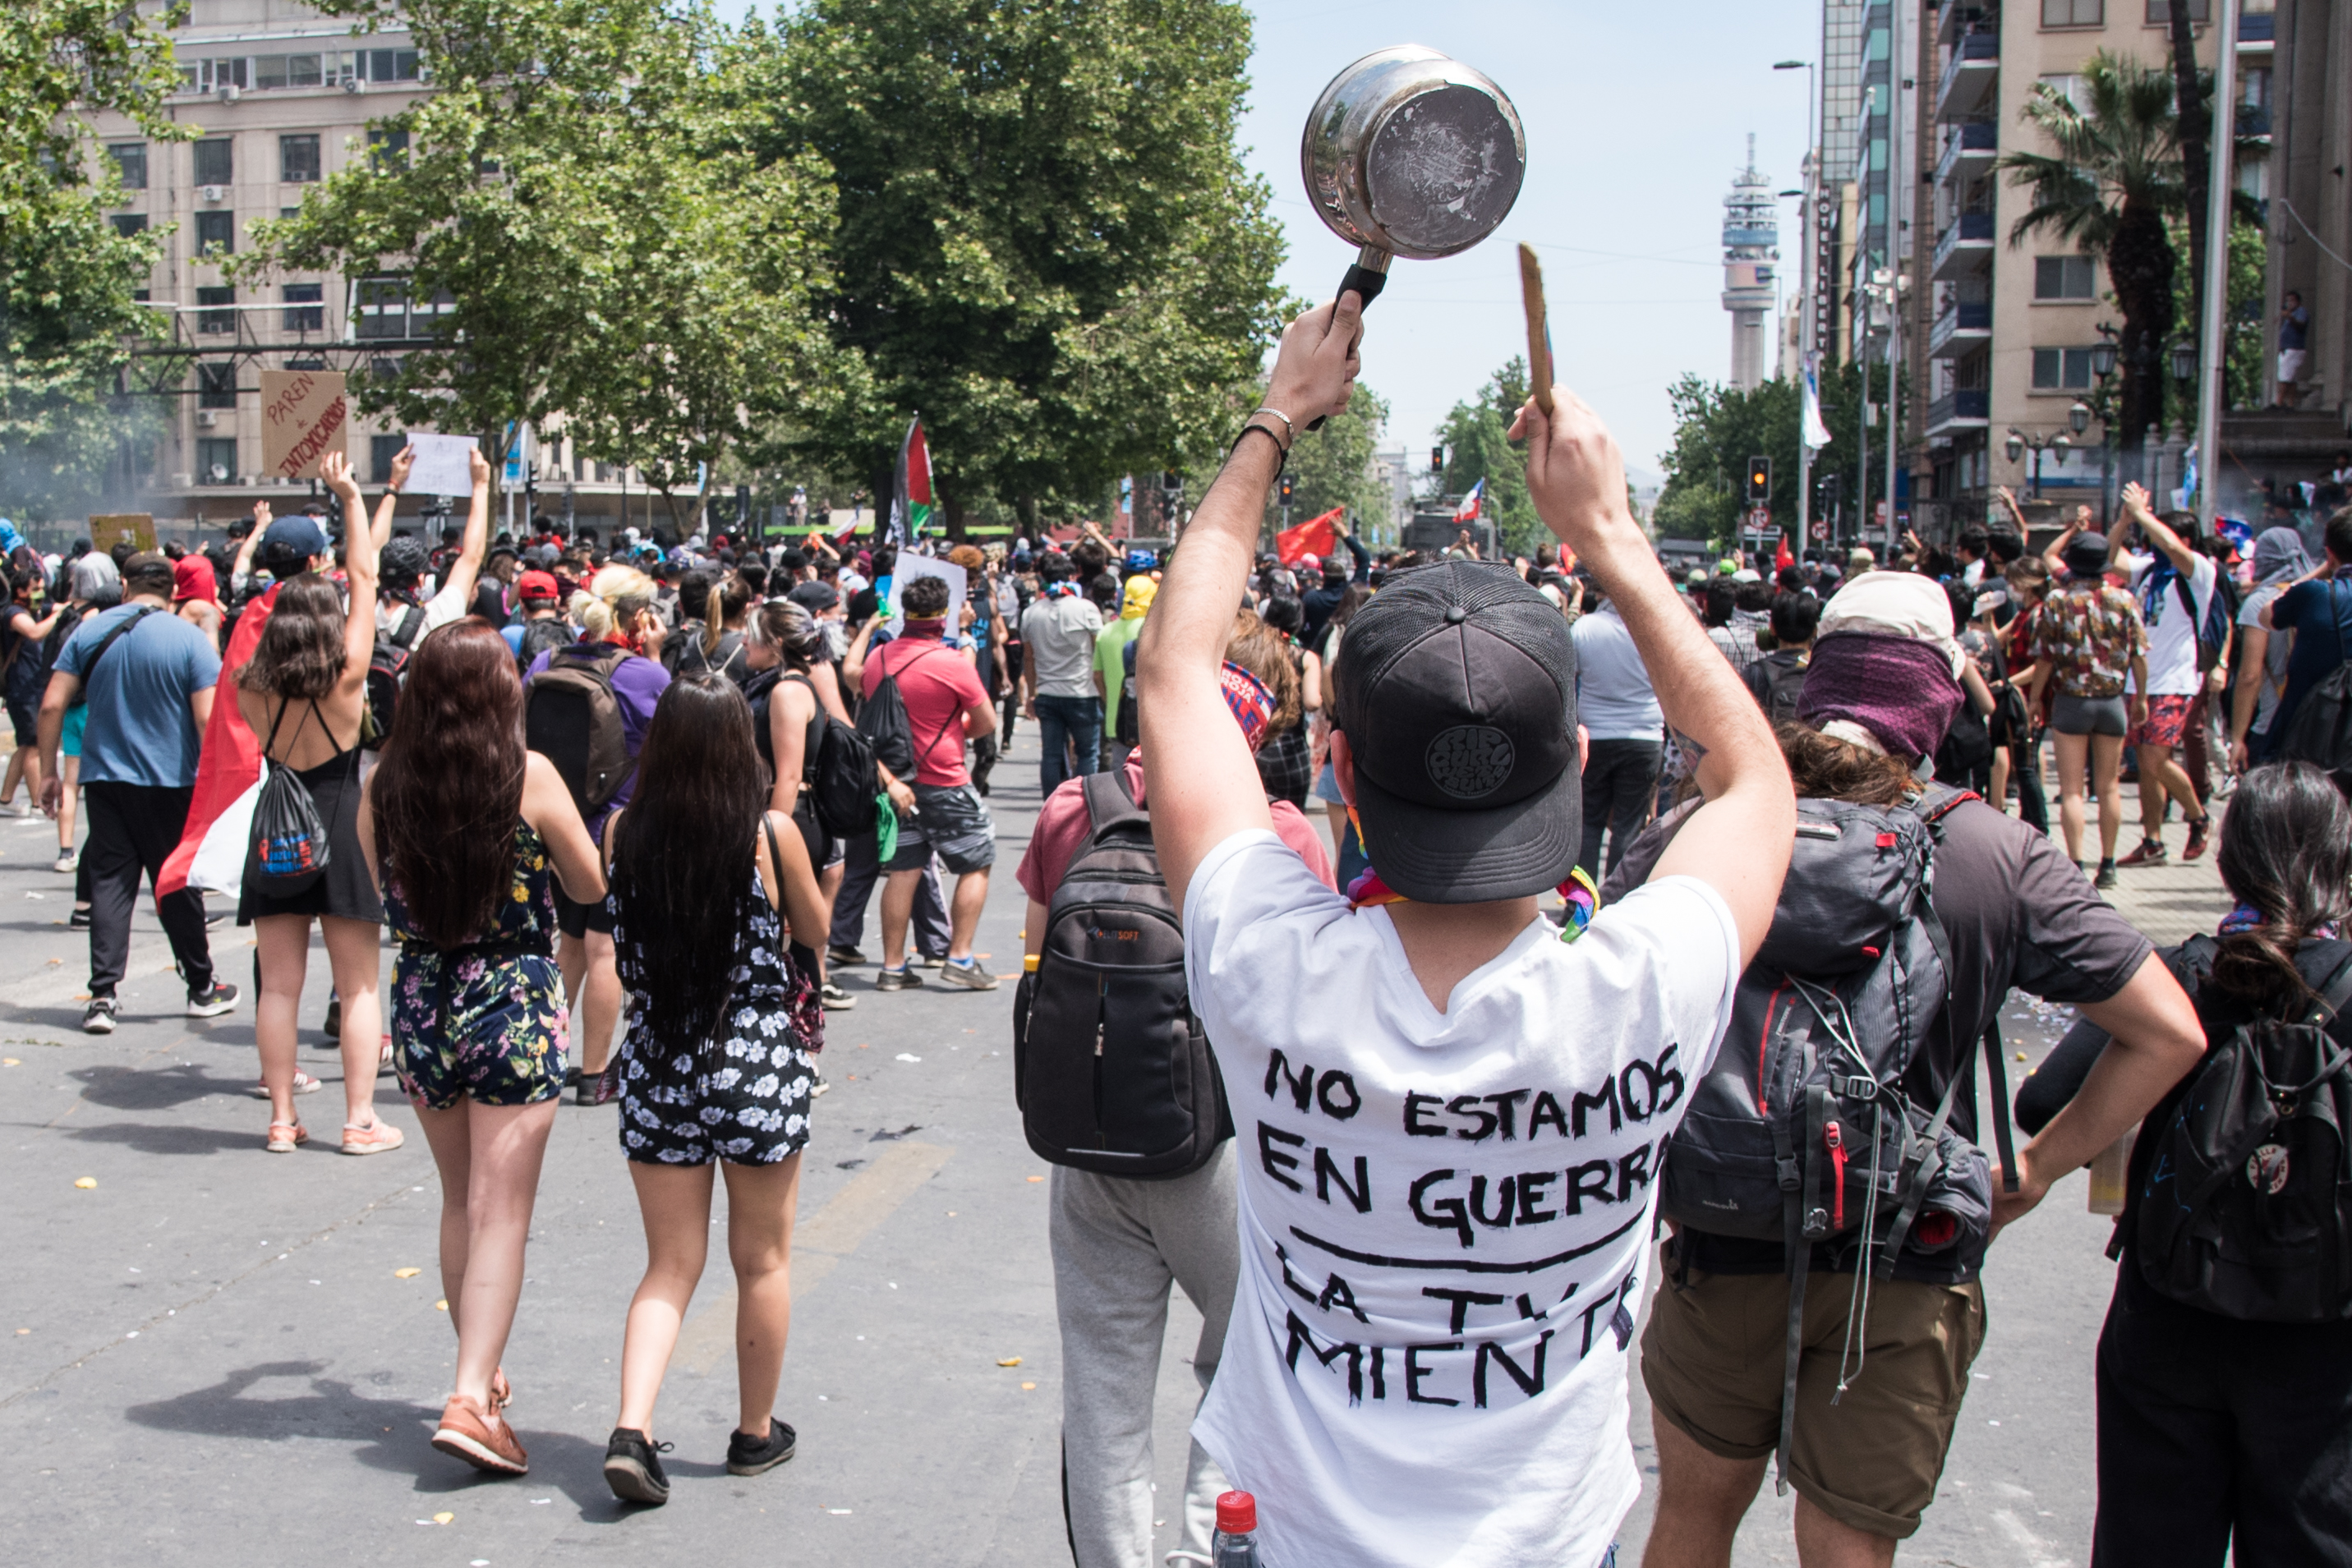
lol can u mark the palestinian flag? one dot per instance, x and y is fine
(910, 488)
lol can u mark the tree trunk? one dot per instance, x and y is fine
(2196, 141)
(2140, 265)
(954, 510)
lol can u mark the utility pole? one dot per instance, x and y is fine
(1812, 284)
(2224, 121)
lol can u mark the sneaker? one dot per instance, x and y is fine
(285, 1137)
(375, 1138)
(844, 956)
(67, 861)
(213, 1000)
(931, 960)
(79, 919)
(101, 1016)
(967, 974)
(583, 1088)
(633, 1466)
(483, 1440)
(749, 1456)
(2195, 849)
(2151, 851)
(303, 1084)
(333, 1027)
(2106, 878)
(905, 980)
(835, 999)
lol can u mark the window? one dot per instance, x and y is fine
(391, 64)
(215, 234)
(216, 460)
(211, 75)
(284, 213)
(217, 386)
(382, 450)
(385, 309)
(2061, 369)
(2160, 13)
(384, 368)
(214, 164)
(130, 162)
(302, 362)
(2073, 13)
(388, 149)
(2064, 277)
(298, 160)
(129, 224)
(313, 320)
(286, 70)
(217, 320)
(2069, 86)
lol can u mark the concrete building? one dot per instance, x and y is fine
(284, 96)
(1751, 256)
(2010, 335)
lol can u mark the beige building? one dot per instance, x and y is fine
(2010, 335)
(283, 96)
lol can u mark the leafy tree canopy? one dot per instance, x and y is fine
(1333, 466)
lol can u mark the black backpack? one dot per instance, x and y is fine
(2245, 1208)
(838, 778)
(2221, 613)
(2319, 731)
(1801, 1132)
(571, 717)
(387, 661)
(542, 636)
(889, 732)
(1110, 1069)
(1775, 680)
(289, 850)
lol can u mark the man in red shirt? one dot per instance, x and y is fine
(946, 704)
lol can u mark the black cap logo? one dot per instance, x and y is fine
(1470, 760)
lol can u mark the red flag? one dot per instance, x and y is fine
(231, 759)
(1782, 560)
(1314, 537)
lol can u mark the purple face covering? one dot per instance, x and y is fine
(1899, 689)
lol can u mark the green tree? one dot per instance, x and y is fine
(67, 315)
(1719, 428)
(1333, 466)
(1478, 447)
(575, 194)
(1049, 246)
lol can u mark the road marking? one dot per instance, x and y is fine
(819, 1244)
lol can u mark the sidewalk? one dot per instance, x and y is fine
(2173, 901)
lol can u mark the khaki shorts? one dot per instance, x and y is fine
(1714, 1357)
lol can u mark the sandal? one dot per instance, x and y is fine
(285, 1137)
(375, 1138)
(303, 1084)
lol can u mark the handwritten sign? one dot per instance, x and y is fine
(303, 416)
(107, 531)
(444, 464)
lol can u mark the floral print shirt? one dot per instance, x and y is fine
(2090, 635)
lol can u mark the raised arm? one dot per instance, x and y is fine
(359, 568)
(401, 463)
(2016, 513)
(1213, 791)
(1739, 842)
(466, 570)
(2135, 507)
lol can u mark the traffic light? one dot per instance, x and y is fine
(1760, 480)
(1286, 489)
(1437, 460)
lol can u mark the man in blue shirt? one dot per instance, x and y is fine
(149, 678)
(2318, 610)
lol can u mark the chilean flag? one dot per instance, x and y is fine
(230, 762)
(1467, 512)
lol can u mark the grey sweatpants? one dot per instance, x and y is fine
(1117, 1244)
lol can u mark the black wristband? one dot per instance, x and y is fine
(1283, 452)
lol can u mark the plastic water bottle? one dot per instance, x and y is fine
(1235, 1545)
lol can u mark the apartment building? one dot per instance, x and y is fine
(283, 97)
(2010, 335)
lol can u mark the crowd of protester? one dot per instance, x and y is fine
(1403, 1105)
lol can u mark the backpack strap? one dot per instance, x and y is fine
(128, 623)
(2004, 1137)
(1111, 805)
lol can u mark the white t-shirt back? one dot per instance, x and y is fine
(1444, 1215)
(2171, 629)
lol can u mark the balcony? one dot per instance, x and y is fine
(1965, 408)
(1964, 325)
(1969, 79)
(2257, 27)
(1965, 247)
(1970, 148)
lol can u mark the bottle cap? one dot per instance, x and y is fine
(1029, 962)
(1236, 1513)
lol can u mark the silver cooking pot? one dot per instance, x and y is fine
(1411, 153)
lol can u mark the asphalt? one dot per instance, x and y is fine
(209, 1355)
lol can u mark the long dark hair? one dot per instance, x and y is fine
(448, 790)
(300, 655)
(2286, 851)
(683, 857)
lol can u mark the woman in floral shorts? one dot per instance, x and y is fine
(462, 828)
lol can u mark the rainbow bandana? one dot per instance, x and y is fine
(1251, 704)
(1582, 896)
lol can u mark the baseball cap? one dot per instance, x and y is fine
(533, 585)
(299, 533)
(1457, 692)
(814, 596)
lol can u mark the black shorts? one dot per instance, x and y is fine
(576, 919)
(950, 820)
(751, 1108)
(26, 720)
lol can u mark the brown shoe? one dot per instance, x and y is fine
(486, 1443)
(2151, 851)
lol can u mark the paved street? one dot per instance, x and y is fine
(210, 1358)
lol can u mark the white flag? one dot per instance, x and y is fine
(1816, 434)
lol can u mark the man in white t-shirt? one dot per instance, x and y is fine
(1449, 1119)
(2174, 584)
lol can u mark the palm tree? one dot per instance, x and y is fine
(2115, 176)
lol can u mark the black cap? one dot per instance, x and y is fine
(1457, 693)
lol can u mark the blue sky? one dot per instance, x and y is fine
(1636, 119)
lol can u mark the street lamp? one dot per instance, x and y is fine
(2019, 444)
(1808, 235)
(2079, 416)
(2103, 355)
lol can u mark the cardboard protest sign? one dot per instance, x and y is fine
(911, 567)
(304, 415)
(444, 464)
(106, 532)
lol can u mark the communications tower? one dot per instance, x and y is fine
(1752, 246)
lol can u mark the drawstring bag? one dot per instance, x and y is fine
(290, 841)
